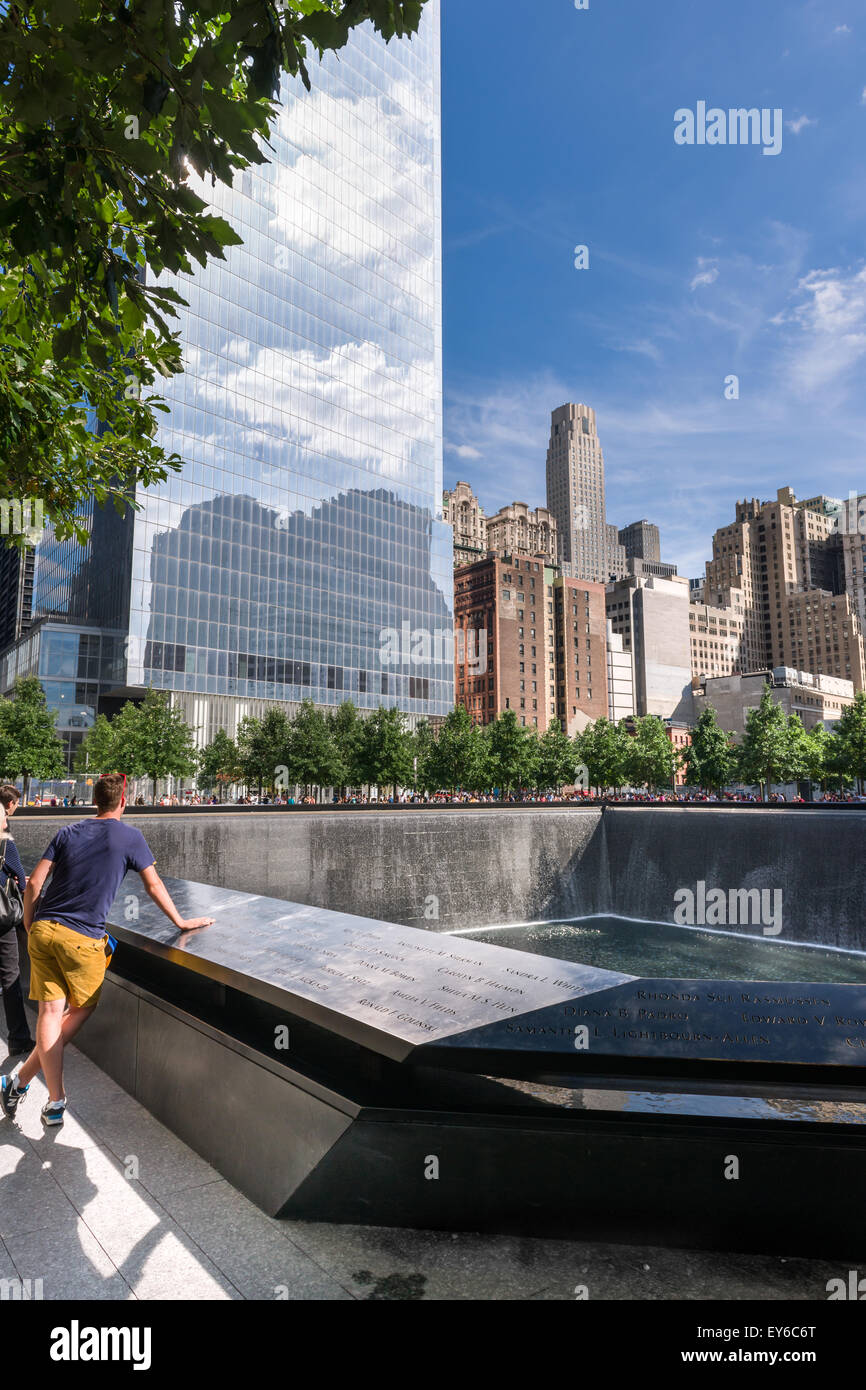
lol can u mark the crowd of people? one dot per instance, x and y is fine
(682, 797)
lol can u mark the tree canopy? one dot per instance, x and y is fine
(772, 747)
(457, 757)
(345, 749)
(651, 759)
(219, 763)
(603, 748)
(150, 739)
(709, 759)
(512, 751)
(848, 745)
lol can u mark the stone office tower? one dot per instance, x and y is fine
(589, 548)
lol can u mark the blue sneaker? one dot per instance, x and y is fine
(11, 1095)
(53, 1112)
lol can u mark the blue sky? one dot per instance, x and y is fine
(705, 261)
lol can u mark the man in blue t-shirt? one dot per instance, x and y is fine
(67, 942)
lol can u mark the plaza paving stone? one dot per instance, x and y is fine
(113, 1206)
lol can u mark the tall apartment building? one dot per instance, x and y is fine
(651, 615)
(504, 621)
(641, 541)
(513, 530)
(531, 642)
(776, 553)
(824, 636)
(306, 525)
(589, 547)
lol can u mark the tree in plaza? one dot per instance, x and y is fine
(800, 751)
(819, 754)
(114, 121)
(98, 751)
(709, 759)
(651, 760)
(250, 763)
(386, 750)
(153, 739)
(603, 748)
(29, 743)
(557, 760)
(512, 752)
(219, 763)
(423, 745)
(263, 749)
(313, 755)
(849, 741)
(347, 728)
(765, 754)
(457, 757)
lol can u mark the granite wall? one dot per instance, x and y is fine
(817, 859)
(461, 868)
(438, 870)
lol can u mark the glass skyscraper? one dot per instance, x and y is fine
(305, 529)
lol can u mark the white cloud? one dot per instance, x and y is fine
(510, 422)
(831, 319)
(708, 274)
(799, 124)
(644, 347)
(863, 97)
(842, 29)
(463, 451)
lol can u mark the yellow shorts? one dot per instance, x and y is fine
(65, 964)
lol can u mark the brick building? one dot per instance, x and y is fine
(531, 642)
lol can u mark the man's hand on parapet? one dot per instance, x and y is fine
(156, 889)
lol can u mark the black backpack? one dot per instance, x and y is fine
(11, 901)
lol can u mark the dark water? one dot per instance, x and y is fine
(661, 951)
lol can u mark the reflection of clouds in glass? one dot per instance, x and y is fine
(351, 226)
(268, 396)
(340, 276)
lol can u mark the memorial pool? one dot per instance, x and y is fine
(659, 949)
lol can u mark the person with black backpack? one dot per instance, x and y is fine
(12, 883)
